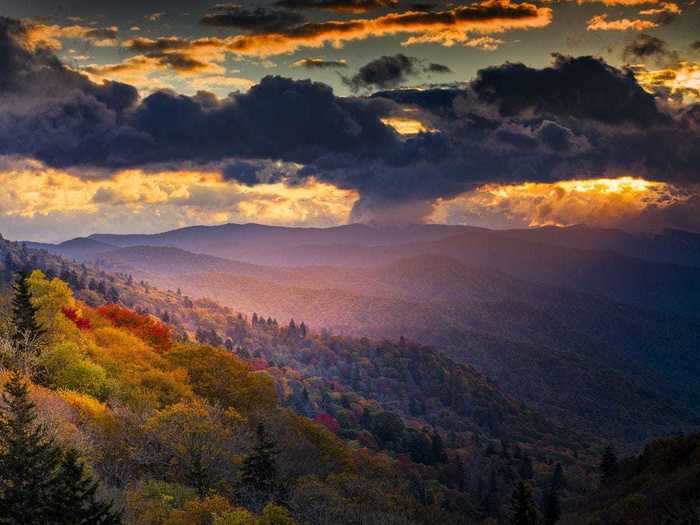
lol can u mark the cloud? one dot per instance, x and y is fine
(320, 63)
(154, 17)
(438, 68)
(601, 23)
(384, 72)
(50, 36)
(622, 201)
(677, 81)
(390, 71)
(37, 198)
(513, 124)
(340, 6)
(446, 27)
(253, 20)
(647, 47)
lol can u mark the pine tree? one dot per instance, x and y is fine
(551, 509)
(73, 498)
(608, 465)
(438, 450)
(523, 511)
(28, 459)
(24, 313)
(259, 471)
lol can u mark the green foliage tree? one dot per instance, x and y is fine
(523, 511)
(259, 472)
(38, 483)
(74, 501)
(28, 459)
(27, 328)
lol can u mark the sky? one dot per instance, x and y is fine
(146, 116)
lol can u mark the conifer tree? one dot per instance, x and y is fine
(259, 471)
(608, 465)
(28, 459)
(523, 511)
(73, 497)
(551, 509)
(24, 313)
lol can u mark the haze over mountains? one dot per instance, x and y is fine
(597, 327)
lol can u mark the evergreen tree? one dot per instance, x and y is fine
(438, 449)
(523, 511)
(608, 465)
(525, 469)
(551, 509)
(24, 313)
(74, 501)
(28, 459)
(259, 471)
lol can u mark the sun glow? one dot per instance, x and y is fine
(601, 202)
(406, 125)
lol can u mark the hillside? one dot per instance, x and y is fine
(387, 398)
(638, 368)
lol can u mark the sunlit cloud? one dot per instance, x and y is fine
(51, 35)
(406, 125)
(678, 82)
(602, 23)
(42, 201)
(605, 202)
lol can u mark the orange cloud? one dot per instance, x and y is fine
(601, 23)
(50, 36)
(36, 194)
(605, 202)
(678, 82)
(627, 3)
(445, 27)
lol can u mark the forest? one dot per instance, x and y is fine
(147, 406)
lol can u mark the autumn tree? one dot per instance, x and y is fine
(523, 511)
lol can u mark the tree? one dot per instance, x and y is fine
(608, 465)
(74, 501)
(439, 454)
(259, 471)
(29, 460)
(525, 469)
(27, 328)
(551, 509)
(523, 511)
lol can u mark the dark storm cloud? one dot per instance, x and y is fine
(254, 20)
(437, 68)
(577, 118)
(695, 45)
(342, 6)
(647, 47)
(384, 72)
(319, 63)
(390, 71)
(585, 87)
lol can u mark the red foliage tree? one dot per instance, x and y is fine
(81, 322)
(328, 421)
(152, 331)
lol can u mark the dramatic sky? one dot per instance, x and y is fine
(145, 116)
